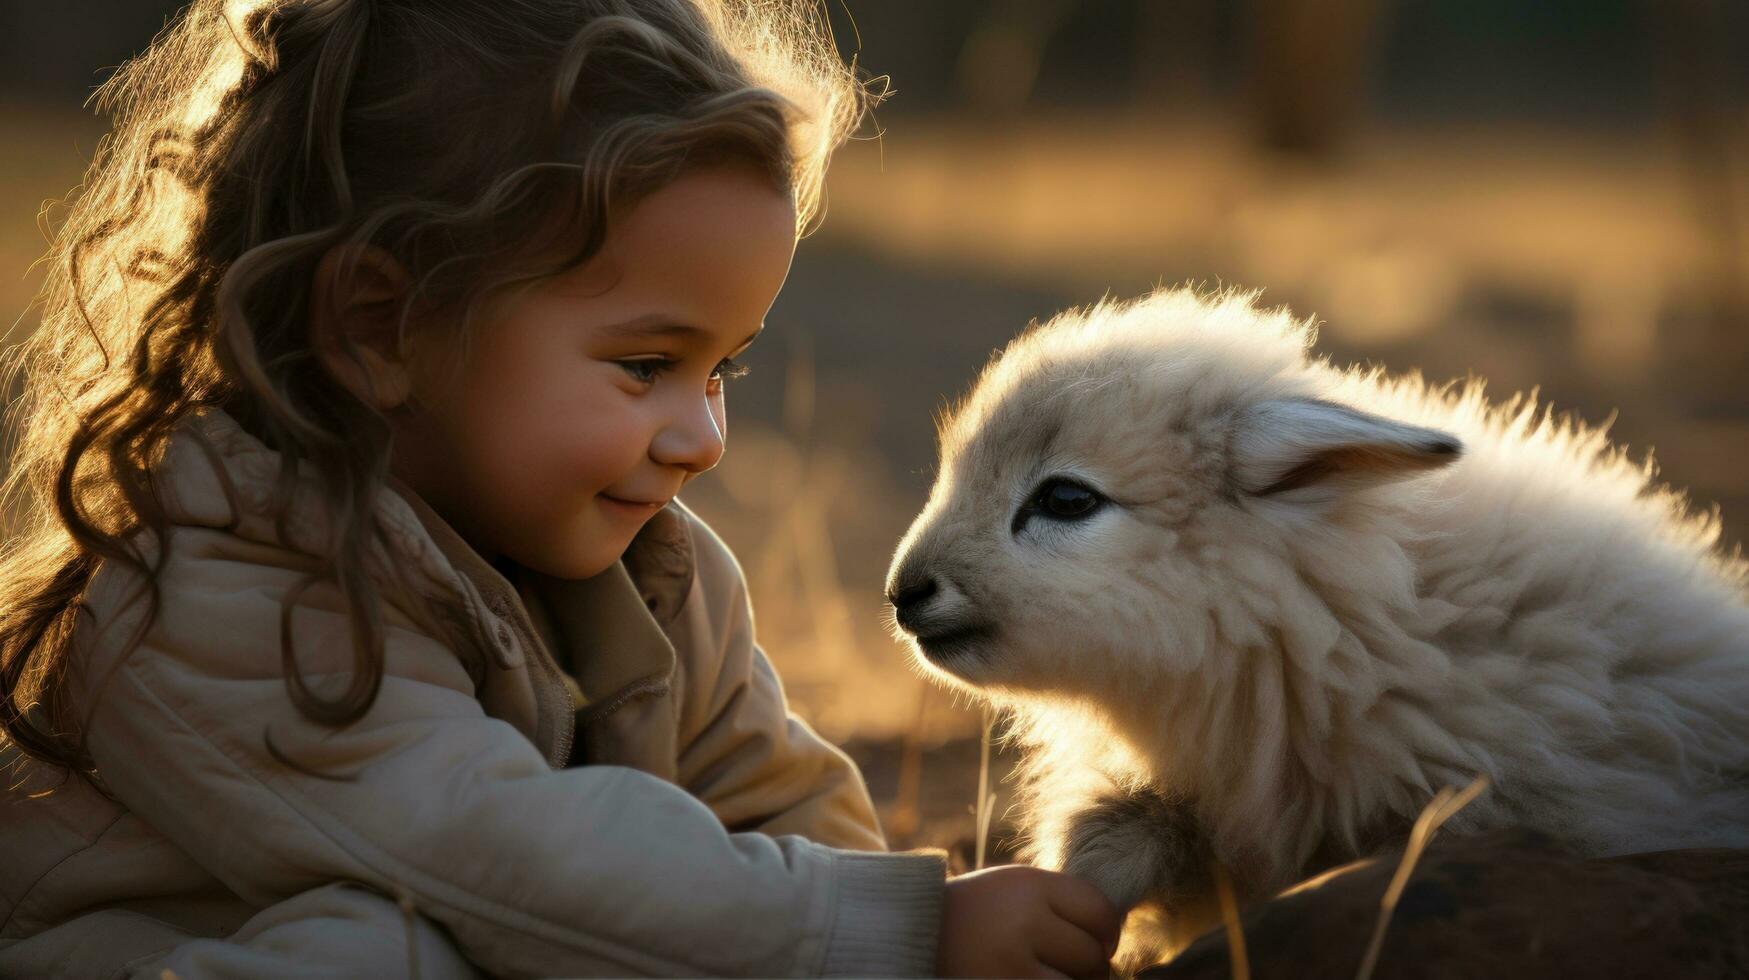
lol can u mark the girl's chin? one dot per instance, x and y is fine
(575, 566)
(590, 549)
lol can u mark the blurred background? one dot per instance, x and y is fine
(1544, 193)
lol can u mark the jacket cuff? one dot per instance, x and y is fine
(888, 914)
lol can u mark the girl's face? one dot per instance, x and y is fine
(583, 404)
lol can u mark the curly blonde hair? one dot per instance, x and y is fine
(253, 138)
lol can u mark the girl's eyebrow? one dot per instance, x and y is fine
(655, 325)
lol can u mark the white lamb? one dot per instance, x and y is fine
(1249, 606)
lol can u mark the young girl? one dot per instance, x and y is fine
(353, 627)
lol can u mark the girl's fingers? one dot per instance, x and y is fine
(1071, 949)
(1077, 901)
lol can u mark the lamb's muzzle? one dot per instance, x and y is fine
(909, 599)
(936, 613)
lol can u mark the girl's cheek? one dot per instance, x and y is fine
(611, 437)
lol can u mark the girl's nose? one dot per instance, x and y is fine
(693, 437)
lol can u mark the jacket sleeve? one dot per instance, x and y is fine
(592, 870)
(742, 752)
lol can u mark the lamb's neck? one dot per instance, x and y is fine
(1290, 753)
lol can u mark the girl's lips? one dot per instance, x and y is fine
(630, 508)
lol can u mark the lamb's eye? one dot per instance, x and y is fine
(1066, 500)
(1057, 500)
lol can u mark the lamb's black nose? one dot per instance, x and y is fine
(908, 597)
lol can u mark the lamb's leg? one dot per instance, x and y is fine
(1137, 845)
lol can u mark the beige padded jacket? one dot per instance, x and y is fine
(710, 832)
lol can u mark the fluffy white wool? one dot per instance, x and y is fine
(1304, 654)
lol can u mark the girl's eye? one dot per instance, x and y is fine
(646, 370)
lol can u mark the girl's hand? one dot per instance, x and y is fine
(1018, 921)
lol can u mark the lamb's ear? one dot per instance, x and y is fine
(1296, 444)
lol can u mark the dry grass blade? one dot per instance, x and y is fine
(410, 916)
(1444, 804)
(986, 799)
(985, 810)
(1230, 918)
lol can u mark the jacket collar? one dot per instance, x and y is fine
(607, 630)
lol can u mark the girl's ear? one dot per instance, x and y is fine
(1311, 450)
(356, 300)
